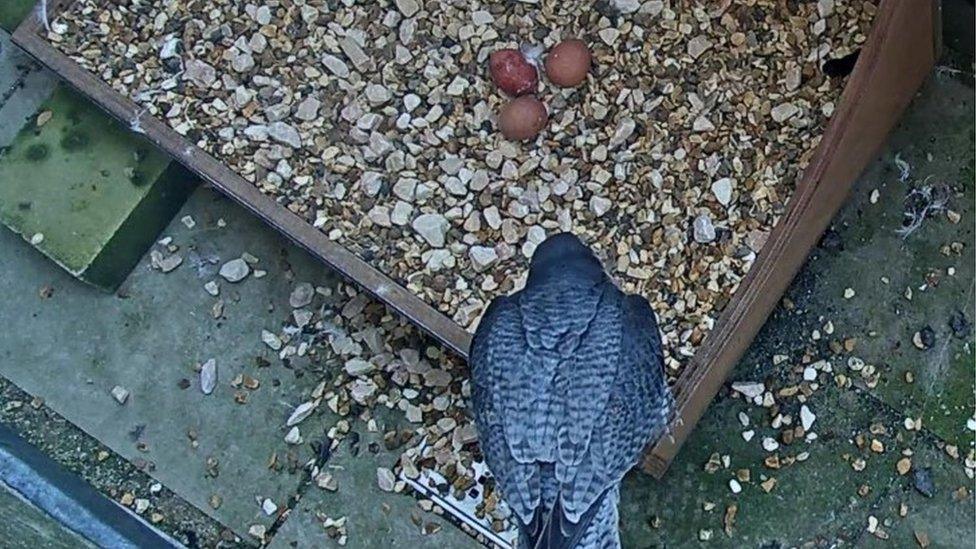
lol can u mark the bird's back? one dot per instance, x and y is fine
(557, 375)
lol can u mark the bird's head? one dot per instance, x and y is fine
(563, 254)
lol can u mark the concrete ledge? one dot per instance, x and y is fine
(88, 193)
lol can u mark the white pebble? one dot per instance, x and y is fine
(120, 394)
(722, 189)
(385, 479)
(807, 417)
(235, 270)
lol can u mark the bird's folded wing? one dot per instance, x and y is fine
(495, 354)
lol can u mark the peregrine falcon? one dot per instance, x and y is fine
(568, 389)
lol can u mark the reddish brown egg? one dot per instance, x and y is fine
(568, 63)
(523, 118)
(512, 72)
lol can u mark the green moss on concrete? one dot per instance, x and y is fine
(818, 502)
(935, 384)
(92, 188)
(946, 518)
(75, 140)
(141, 226)
(947, 412)
(814, 500)
(12, 12)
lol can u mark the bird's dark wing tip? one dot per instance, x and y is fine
(554, 530)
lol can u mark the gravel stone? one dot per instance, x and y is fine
(783, 112)
(120, 394)
(922, 479)
(208, 376)
(402, 212)
(408, 8)
(807, 417)
(483, 257)
(697, 46)
(704, 231)
(308, 109)
(385, 479)
(599, 205)
(235, 270)
(433, 228)
(242, 62)
(301, 412)
(722, 189)
(626, 6)
(335, 65)
(358, 367)
(355, 54)
(285, 133)
(301, 295)
(377, 95)
(200, 73)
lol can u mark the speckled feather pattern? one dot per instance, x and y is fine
(568, 383)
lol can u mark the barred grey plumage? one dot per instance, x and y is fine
(568, 388)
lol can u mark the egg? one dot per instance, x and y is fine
(523, 118)
(568, 63)
(512, 72)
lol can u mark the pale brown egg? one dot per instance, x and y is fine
(523, 118)
(568, 63)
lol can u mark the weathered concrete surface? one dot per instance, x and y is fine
(112, 475)
(818, 500)
(24, 526)
(936, 140)
(374, 518)
(74, 347)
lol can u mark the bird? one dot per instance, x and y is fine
(568, 388)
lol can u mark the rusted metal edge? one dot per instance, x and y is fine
(820, 192)
(300, 231)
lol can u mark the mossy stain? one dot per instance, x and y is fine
(138, 178)
(74, 140)
(37, 152)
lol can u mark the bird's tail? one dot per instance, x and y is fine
(597, 529)
(603, 531)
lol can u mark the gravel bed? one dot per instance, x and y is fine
(375, 121)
